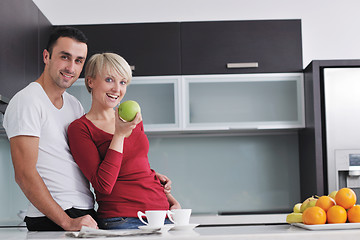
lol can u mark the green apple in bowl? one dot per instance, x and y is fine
(309, 202)
(128, 110)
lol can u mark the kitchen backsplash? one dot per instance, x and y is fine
(230, 173)
(12, 200)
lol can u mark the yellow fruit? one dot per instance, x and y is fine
(297, 207)
(294, 218)
(333, 194)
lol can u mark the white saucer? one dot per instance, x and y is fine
(163, 228)
(184, 227)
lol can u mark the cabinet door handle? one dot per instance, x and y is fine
(132, 67)
(4, 100)
(243, 65)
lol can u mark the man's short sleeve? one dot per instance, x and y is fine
(23, 116)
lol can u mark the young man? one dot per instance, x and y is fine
(36, 120)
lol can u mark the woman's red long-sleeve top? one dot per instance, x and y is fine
(124, 183)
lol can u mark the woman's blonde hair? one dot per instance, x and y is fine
(109, 63)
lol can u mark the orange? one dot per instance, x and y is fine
(325, 202)
(314, 215)
(354, 214)
(336, 214)
(346, 198)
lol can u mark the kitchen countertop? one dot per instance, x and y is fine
(210, 220)
(254, 232)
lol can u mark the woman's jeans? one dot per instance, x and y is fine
(122, 223)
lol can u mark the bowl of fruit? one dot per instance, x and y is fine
(338, 210)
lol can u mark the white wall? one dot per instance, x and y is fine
(330, 27)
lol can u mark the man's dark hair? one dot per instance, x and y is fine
(70, 32)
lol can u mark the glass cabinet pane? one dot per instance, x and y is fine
(156, 101)
(157, 98)
(244, 101)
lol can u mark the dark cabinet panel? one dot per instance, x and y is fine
(19, 44)
(152, 48)
(201, 47)
(44, 30)
(29, 40)
(12, 47)
(207, 47)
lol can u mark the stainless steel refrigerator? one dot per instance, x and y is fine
(330, 143)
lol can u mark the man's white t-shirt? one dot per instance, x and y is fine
(30, 112)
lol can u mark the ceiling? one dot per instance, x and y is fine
(69, 12)
(76, 12)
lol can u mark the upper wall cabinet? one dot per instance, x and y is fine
(192, 48)
(264, 46)
(150, 48)
(243, 101)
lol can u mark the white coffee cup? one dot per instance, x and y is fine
(155, 218)
(180, 216)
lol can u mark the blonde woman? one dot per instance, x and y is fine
(112, 153)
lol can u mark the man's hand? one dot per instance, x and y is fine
(165, 181)
(75, 224)
(24, 153)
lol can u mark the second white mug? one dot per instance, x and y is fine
(180, 216)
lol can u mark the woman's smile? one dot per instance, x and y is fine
(113, 96)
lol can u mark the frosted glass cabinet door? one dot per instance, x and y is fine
(247, 101)
(158, 98)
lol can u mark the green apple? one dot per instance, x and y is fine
(312, 203)
(309, 202)
(128, 110)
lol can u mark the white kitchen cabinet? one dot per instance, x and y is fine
(158, 98)
(214, 102)
(243, 101)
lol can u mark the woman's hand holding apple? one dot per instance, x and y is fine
(124, 128)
